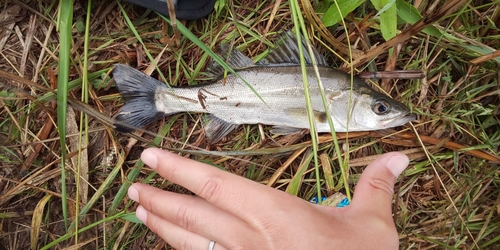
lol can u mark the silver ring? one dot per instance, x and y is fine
(211, 245)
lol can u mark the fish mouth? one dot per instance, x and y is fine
(410, 117)
(399, 121)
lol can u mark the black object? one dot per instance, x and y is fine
(184, 9)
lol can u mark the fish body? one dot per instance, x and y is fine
(281, 101)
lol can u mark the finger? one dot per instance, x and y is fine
(176, 236)
(232, 193)
(191, 213)
(375, 188)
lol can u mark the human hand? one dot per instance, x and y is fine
(238, 213)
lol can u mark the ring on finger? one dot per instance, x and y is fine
(211, 245)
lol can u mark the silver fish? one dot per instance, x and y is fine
(278, 81)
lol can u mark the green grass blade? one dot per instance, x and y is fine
(65, 25)
(344, 164)
(300, 25)
(84, 121)
(68, 235)
(193, 38)
(71, 85)
(136, 170)
(100, 191)
(296, 182)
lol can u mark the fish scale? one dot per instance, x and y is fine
(280, 88)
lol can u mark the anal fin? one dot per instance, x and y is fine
(216, 128)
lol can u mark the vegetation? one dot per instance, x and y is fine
(57, 100)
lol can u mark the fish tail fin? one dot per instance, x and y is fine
(139, 90)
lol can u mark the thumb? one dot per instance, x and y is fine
(375, 188)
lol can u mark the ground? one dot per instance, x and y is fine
(449, 197)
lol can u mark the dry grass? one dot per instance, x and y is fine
(448, 198)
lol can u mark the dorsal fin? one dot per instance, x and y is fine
(233, 57)
(287, 52)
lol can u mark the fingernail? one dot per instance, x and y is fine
(141, 214)
(149, 158)
(133, 193)
(397, 164)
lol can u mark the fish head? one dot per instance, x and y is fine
(379, 112)
(370, 110)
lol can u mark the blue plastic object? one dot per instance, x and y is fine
(315, 199)
(345, 202)
(337, 200)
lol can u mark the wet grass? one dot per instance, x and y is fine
(447, 198)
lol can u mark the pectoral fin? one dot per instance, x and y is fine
(280, 130)
(216, 128)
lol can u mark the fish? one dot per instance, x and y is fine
(229, 102)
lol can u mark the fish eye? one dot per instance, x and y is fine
(381, 107)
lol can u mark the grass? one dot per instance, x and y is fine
(448, 198)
